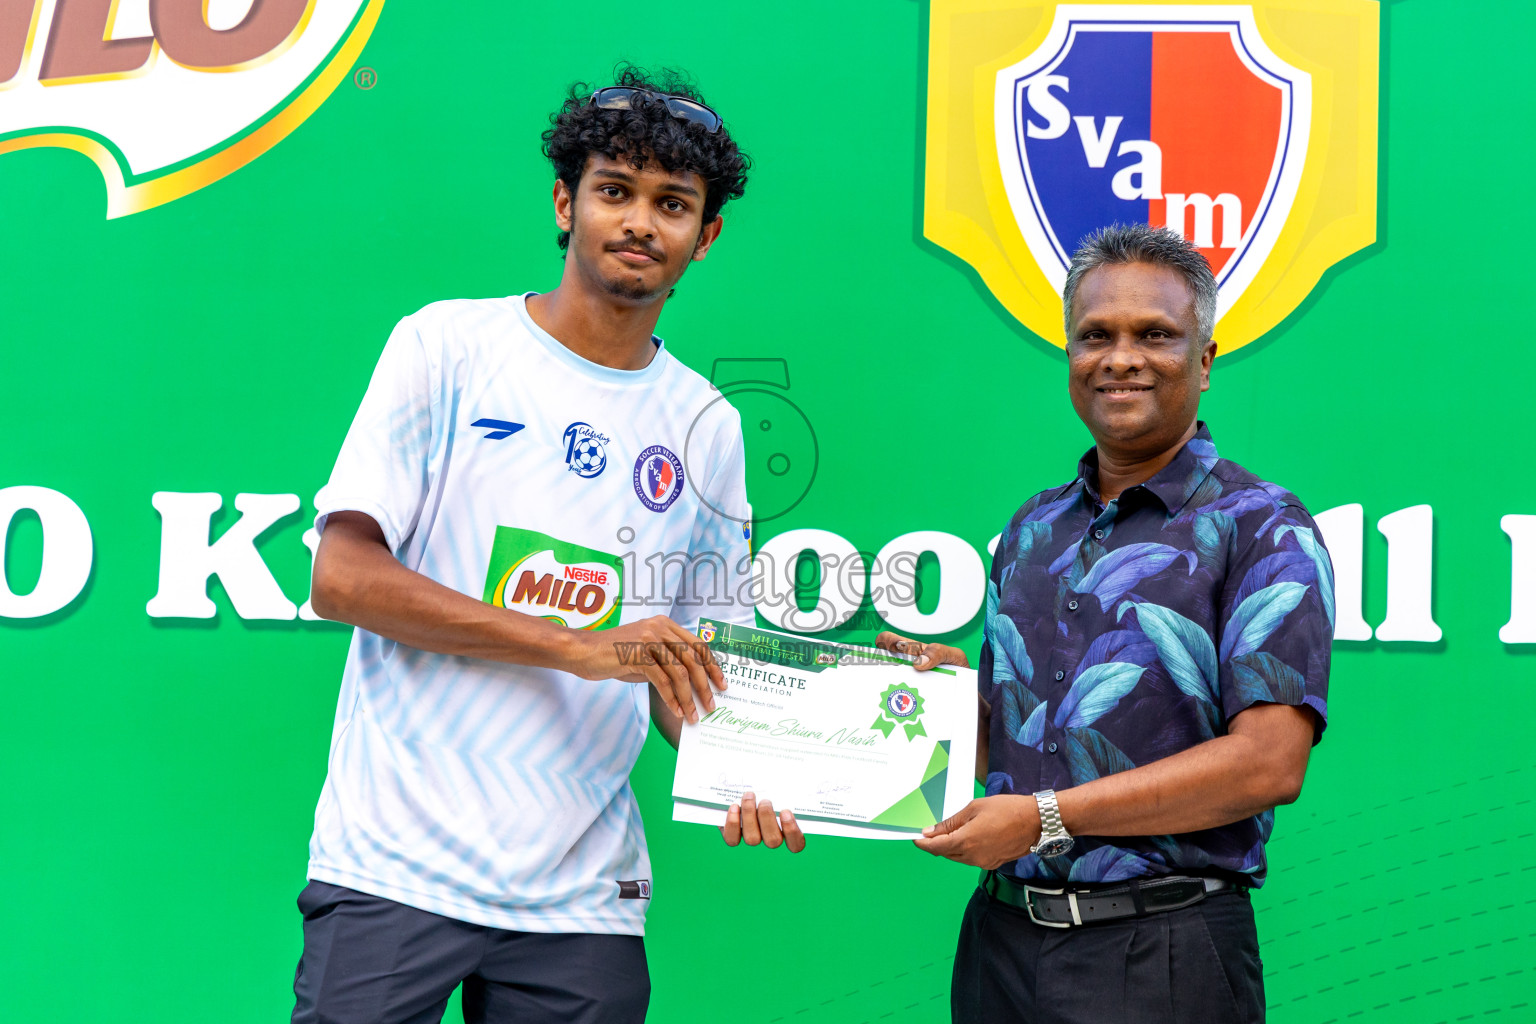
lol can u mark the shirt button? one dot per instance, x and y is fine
(1051, 748)
(1098, 534)
(1060, 674)
(1071, 606)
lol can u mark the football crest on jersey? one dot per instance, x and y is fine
(586, 449)
(658, 478)
(575, 586)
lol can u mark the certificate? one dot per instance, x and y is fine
(854, 741)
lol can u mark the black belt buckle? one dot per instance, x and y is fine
(1007, 890)
(1148, 896)
(1032, 891)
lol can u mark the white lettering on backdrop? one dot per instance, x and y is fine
(847, 577)
(67, 552)
(187, 560)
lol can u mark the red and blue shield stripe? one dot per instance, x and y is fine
(1168, 115)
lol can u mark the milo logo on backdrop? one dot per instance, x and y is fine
(1248, 129)
(167, 96)
(541, 575)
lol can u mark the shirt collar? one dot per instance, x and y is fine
(1176, 482)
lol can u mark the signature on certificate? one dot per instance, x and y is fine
(730, 782)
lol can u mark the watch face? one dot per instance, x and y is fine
(1054, 847)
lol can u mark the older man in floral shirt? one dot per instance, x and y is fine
(1155, 667)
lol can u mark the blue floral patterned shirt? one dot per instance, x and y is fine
(1117, 635)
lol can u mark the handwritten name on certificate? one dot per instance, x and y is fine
(854, 740)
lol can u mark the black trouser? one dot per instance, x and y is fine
(1199, 965)
(369, 960)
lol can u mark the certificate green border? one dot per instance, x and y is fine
(772, 648)
(919, 808)
(912, 829)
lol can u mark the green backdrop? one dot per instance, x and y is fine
(160, 775)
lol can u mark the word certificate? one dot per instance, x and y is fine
(854, 741)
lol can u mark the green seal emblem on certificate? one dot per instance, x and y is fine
(900, 705)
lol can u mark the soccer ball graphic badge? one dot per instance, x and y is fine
(586, 453)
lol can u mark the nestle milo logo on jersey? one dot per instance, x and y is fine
(166, 96)
(541, 575)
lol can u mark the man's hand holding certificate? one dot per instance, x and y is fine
(855, 741)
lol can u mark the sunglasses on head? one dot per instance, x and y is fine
(622, 97)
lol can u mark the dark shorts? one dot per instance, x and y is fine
(369, 960)
(1199, 965)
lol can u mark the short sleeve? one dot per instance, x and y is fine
(716, 581)
(382, 469)
(1276, 622)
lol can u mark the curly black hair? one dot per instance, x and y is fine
(579, 129)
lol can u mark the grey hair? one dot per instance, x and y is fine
(1142, 243)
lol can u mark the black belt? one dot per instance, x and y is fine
(1058, 908)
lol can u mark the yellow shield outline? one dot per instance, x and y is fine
(966, 208)
(129, 194)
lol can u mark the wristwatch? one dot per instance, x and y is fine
(1054, 839)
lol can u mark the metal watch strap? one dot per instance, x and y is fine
(1050, 817)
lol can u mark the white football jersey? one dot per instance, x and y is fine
(501, 464)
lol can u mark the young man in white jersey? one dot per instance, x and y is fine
(491, 528)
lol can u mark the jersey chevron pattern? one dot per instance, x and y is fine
(492, 793)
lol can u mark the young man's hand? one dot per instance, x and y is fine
(656, 651)
(756, 823)
(926, 656)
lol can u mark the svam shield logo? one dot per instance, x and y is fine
(1249, 130)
